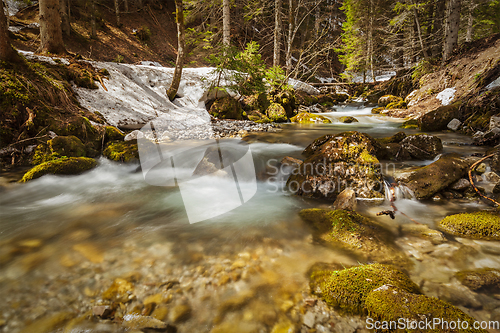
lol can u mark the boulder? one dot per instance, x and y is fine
(460, 185)
(356, 233)
(410, 124)
(389, 303)
(276, 113)
(122, 151)
(396, 138)
(60, 146)
(421, 146)
(348, 120)
(226, 108)
(113, 134)
(336, 162)
(348, 289)
(491, 177)
(435, 177)
(388, 99)
(485, 279)
(285, 98)
(454, 124)
(378, 110)
(62, 166)
(478, 225)
(438, 119)
(346, 200)
(258, 117)
(309, 118)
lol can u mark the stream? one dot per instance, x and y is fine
(64, 240)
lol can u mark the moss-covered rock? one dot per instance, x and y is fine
(81, 76)
(113, 134)
(435, 177)
(389, 303)
(285, 98)
(378, 110)
(356, 233)
(348, 120)
(396, 138)
(348, 289)
(439, 119)
(258, 117)
(309, 118)
(83, 129)
(485, 279)
(410, 124)
(335, 162)
(479, 225)
(303, 98)
(226, 108)
(62, 166)
(276, 113)
(397, 105)
(122, 151)
(388, 99)
(258, 102)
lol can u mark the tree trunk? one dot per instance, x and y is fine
(419, 32)
(92, 20)
(226, 23)
(50, 27)
(278, 4)
(451, 28)
(63, 10)
(7, 53)
(125, 2)
(437, 31)
(470, 22)
(117, 12)
(179, 14)
(290, 38)
(370, 41)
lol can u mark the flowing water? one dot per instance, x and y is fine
(64, 240)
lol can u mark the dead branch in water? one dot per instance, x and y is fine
(472, 181)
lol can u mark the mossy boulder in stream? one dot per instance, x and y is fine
(388, 99)
(309, 118)
(435, 177)
(389, 303)
(335, 162)
(485, 279)
(113, 134)
(275, 112)
(410, 124)
(122, 151)
(285, 98)
(348, 120)
(69, 146)
(478, 225)
(356, 233)
(226, 108)
(62, 166)
(348, 289)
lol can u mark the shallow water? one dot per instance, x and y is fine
(65, 239)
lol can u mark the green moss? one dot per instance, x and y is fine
(388, 99)
(486, 279)
(113, 134)
(348, 289)
(286, 98)
(348, 119)
(83, 77)
(309, 118)
(410, 124)
(356, 233)
(276, 113)
(63, 166)
(69, 146)
(396, 105)
(226, 108)
(389, 303)
(396, 138)
(124, 151)
(479, 225)
(377, 110)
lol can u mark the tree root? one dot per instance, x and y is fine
(472, 181)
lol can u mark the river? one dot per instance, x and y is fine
(64, 240)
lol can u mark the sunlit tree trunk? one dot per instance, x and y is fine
(226, 22)
(50, 27)
(278, 5)
(92, 20)
(470, 22)
(7, 53)
(179, 14)
(437, 30)
(451, 27)
(290, 37)
(117, 12)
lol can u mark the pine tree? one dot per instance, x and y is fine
(179, 15)
(7, 53)
(50, 27)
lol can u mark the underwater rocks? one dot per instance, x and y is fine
(435, 177)
(478, 225)
(485, 279)
(309, 118)
(356, 233)
(337, 162)
(62, 166)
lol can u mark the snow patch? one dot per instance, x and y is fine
(51, 60)
(494, 84)
(13, 6)
(446, 96)
(384, 76)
